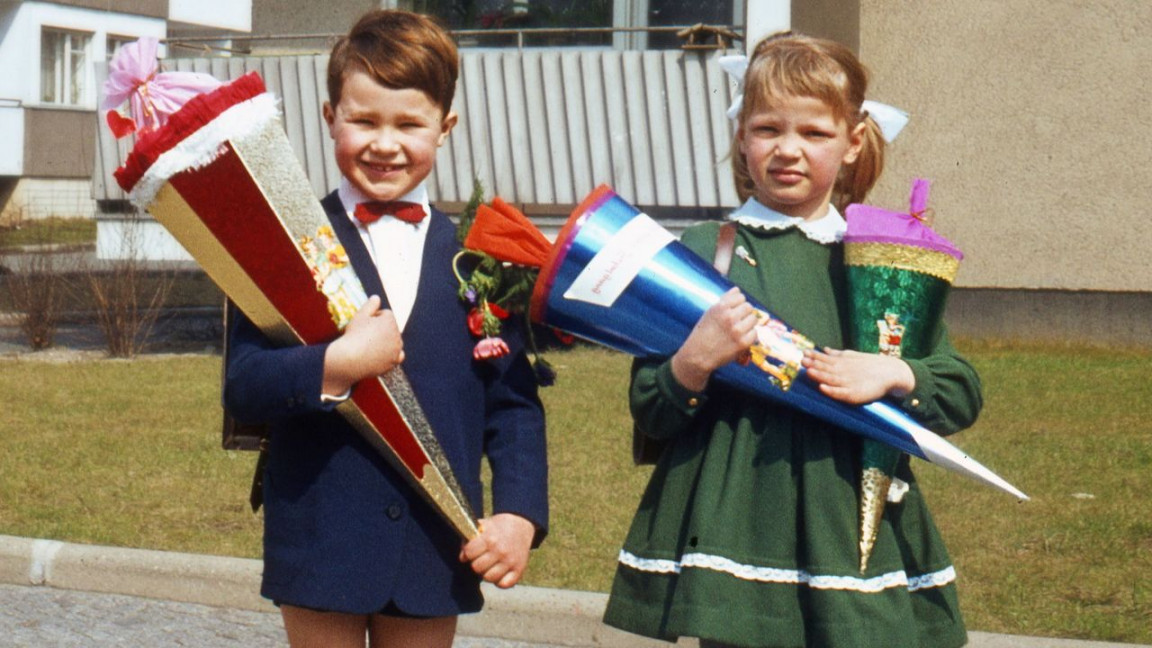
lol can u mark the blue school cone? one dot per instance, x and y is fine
(617, 278)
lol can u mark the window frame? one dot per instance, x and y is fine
(113, 43)
(65, 83)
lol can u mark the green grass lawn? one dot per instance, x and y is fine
(53, 230)
(127, 453)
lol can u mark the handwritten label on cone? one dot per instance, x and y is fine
(614, 267)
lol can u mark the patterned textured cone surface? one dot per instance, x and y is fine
(893, 310)
(874, 485)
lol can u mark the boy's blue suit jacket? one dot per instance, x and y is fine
(343, 531)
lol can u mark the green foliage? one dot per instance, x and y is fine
(469, 213)
(483, 279)
(89, 457)
(486, 282)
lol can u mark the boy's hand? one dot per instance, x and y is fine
(722, 335)
(370, 346)
(857, 378)
(500, 553)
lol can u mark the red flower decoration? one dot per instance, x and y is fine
(476, 322)
(476, 317)
(497, 311)
(489, 348)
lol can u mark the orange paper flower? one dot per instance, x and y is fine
(504, 233)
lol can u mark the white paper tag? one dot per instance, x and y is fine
(614, 267)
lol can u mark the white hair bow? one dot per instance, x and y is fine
(890, 118)
(735, 65)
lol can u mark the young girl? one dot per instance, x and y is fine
(747, 534)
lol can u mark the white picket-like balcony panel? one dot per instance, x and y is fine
(537, 127)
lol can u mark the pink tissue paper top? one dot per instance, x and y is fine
(867, 224)
(151, 95)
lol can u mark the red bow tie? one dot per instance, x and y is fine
(370, 212)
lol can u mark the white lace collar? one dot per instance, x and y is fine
(829, 229)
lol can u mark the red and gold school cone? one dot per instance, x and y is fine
(899, 273)
(221, 176)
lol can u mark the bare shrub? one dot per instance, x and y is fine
(127, 295)
(36, 284)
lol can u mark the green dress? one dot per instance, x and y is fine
(747, 533)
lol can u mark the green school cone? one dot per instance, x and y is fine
(899, 274)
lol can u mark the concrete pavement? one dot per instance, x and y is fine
(71, 595)
(45, 616)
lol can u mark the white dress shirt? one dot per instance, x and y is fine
(397, 248)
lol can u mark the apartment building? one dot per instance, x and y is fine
(48, 94)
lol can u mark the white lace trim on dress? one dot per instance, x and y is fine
(829, 229)
(789, 576)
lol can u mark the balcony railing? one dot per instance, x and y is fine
(467, 37)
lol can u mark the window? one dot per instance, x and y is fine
(667, 13)
(64, 67)
(560, 20)
(550, 23)
(114, 43)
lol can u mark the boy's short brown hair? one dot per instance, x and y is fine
(398, 49)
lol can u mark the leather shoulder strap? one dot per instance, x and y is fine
(725, 241)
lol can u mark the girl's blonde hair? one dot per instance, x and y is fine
(803, 66)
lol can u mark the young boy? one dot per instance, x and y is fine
(349, 548)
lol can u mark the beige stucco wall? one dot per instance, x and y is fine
(154, 8)
(1034, 122)
(303, 16)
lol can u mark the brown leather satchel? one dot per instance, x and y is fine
(645, 449)
(242, 436)
(237, 436)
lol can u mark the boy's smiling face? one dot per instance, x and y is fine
(385, 139)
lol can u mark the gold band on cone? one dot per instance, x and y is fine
(907, 257)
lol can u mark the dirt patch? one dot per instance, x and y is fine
(55, 355)
(62, 355)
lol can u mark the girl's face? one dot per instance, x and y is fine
(794, 149)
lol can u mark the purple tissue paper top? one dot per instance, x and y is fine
(867, 224)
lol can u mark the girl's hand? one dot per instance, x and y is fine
(723, 334)
(500, 553)
(370, 346)
(857, 378)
